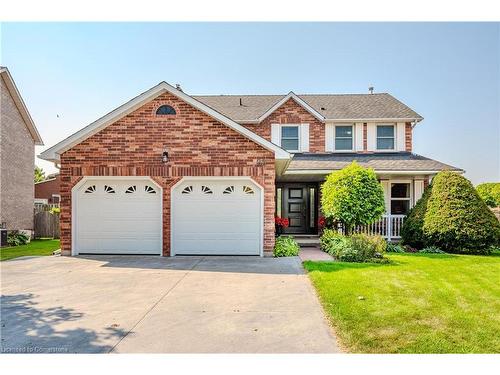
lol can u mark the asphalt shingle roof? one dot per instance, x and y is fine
(334, 106)
(401, 161)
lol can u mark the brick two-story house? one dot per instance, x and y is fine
(18, 137)
(168, 173)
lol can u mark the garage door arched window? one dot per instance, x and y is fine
(206, 190)
(90, 189)
(131, 189)
(165, 110)
(149, 190)
(108, 189)
(248, 190)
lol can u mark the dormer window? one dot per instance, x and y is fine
(385, 137)
(165, 110)
(344, 138)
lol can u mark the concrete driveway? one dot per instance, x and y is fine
(128, 304)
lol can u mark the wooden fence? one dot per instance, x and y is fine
(39, 207)
(46, 224)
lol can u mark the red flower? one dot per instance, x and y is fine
(321, 222)
(284, 223)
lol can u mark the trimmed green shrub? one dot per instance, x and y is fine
(394, 248)
(412, 231)
(457, 219)
(490, 193)
(365, 248)
(432, 250)
(355, 248)
(352, 196)
(286, 246)
(332, 242)
(16, 238)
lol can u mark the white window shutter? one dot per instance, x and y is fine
(276, 134)
(304, 138)
(358, 136)
(418, 190)
(371, 137)
(400, 137)
(329, 137)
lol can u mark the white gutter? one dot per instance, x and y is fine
(327, 171)
(412, 119)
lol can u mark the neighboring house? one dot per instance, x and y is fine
(18, 137)
(48, 190)
(169, 173)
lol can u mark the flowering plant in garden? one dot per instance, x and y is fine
(321, 222)
(281, 222)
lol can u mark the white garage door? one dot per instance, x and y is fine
(216, 217)
(116, 216)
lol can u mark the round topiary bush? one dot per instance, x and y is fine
(412, 231)
(352, 196)
(456, 218)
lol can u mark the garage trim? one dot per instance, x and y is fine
(74, 192)
(217, 178)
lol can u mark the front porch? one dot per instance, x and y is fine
(300, 203)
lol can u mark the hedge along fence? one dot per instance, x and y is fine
(46, 224)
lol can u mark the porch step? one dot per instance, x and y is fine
(307, 240)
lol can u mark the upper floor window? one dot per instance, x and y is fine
(290, 138)
(385, 137)
(165, 110)
(343, 138)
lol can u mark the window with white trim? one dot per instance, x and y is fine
(344, 138)
(386, 135)
(400, 198)
(290, 137)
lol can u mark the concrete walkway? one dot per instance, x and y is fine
(131, 304)
(315, 254)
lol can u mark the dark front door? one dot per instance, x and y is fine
(297, 202)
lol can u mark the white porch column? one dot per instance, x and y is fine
(387, 195)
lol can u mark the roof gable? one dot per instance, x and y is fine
(297, 100)
(21, 107)
(53, 153)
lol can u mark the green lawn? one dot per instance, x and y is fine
(44, 246)
(418, 304)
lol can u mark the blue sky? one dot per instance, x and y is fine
(72, 74)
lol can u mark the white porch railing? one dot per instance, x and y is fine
(389, 227)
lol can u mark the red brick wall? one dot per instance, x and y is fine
(46, 189)
(408, 137)
(292, 113)
(197, 144)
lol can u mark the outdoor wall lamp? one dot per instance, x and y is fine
(164, 156)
